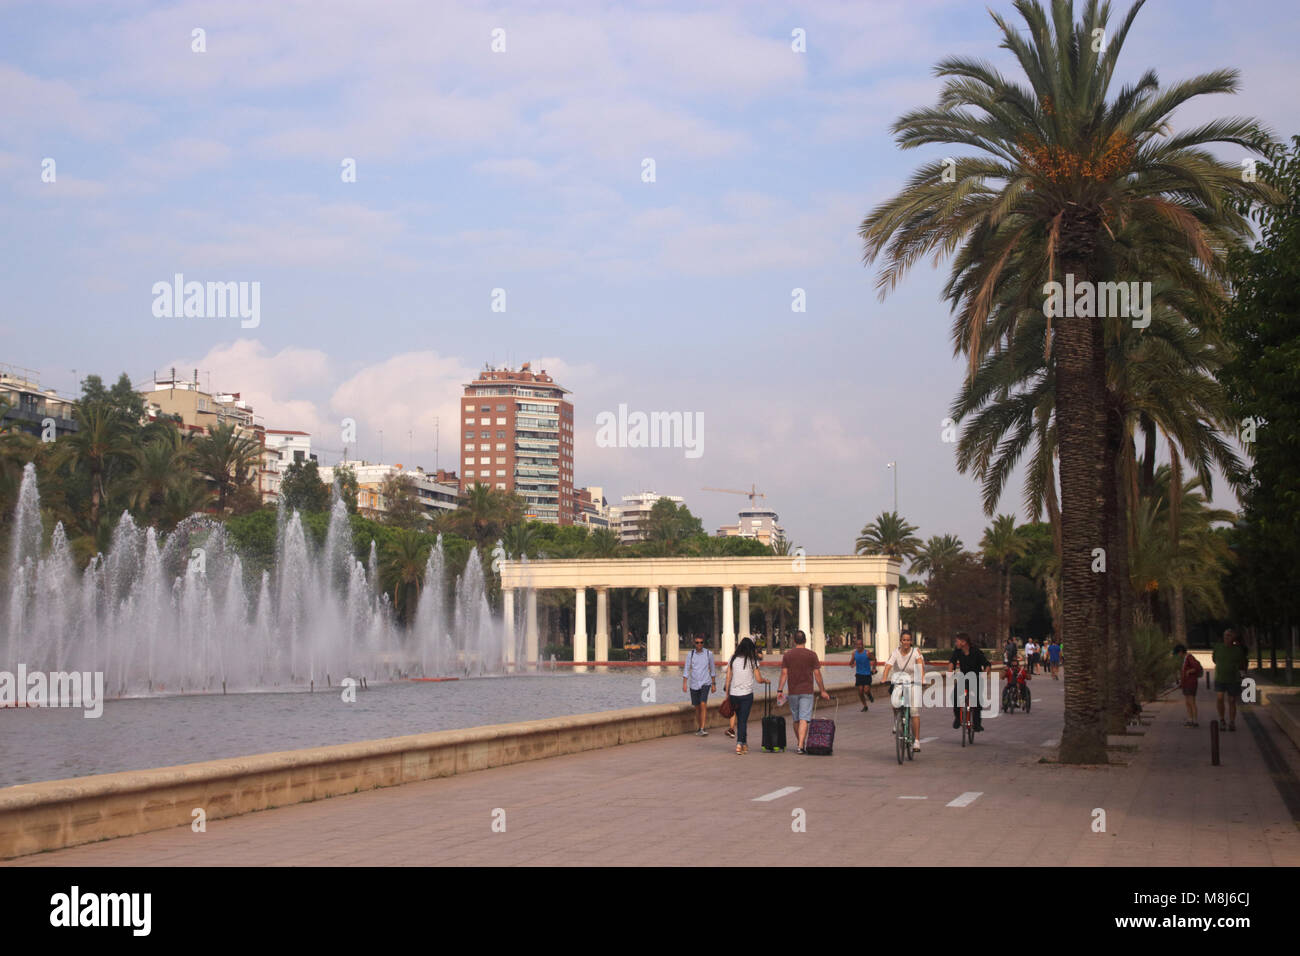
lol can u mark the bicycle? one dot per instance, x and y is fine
(903, 718)
(967, 723)
(1015, 696)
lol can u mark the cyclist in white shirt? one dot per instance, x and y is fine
(908, 661)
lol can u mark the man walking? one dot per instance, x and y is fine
(971, 661)
(1230, 662)
(699, 677)
(862, 674)
(801, 667)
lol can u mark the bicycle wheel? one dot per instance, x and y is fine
(1008, 701)
(970, 731)
(910, 749)
(900, 740)
(1026, 700)
(963, 726)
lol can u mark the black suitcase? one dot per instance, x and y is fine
(773, 726)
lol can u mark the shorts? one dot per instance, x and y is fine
(862, 680)
(1189, 691)
(700, 695)
(1231, 689)
(897, 692)
(801, 706)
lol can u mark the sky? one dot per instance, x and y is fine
(523, 169)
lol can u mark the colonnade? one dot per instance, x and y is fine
(664, 644)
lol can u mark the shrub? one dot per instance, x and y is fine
(1154, 664)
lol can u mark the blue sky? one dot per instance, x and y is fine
(522, 170)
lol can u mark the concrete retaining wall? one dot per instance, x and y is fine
(63, 813)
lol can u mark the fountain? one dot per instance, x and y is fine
(174, 615)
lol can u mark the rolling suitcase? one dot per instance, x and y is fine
(773, 726)
(821, 733)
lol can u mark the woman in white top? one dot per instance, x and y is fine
(742, 672)
(908, 660)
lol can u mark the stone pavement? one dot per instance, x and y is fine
(690, 800)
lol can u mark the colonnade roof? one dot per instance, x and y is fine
(687, 572)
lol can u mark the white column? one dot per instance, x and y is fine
(580, 624)
(508, 616)
(742, 629)
(818, 623)
(530, 628)
(652, 648)
(728, 624)
(883, 650)
(673, 648)
(893, 619)
(804, 624)
(602, 624)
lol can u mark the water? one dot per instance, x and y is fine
(176, 615)
(55, 743)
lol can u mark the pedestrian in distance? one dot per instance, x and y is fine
(801, 667)
(862, 674)
(1054, 658)
(699, 677)
(742, 672)
(1189, 677)
(1031, 655)
(1231, 661)
(907, 660)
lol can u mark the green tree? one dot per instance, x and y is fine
(932, 556)
(1062, 167)
(345, 479)
(889, 535)
(1001, 545)
(226, 460)
(302, 490)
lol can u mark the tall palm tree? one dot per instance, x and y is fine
(101, 439)
(405, 555)
(1001, 545)
(889, 535)
(226, 459)
(1062, 167)
(161, 464)
(484, 513)
(935, 553)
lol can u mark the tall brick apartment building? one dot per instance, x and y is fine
(517, 435)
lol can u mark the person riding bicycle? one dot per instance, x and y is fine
(1017, 676)
(971, 660)
(908, 661)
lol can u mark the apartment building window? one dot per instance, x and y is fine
(469, 461)
(501, 408)
(501, 421)
(501, 446)
(469, 434)
(484, 447)
(501, 434)
(469, 447)
(501, 485)
(485, 421)
(485, 408)
(500, 473)
(469, 473)
(469, 421)
(501, 461)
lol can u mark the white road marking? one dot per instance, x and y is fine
(776, 794)
(1050, 743)
(966, 799)
(926, 740)
(913, 798)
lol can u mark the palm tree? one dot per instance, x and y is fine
(404, 558)
(100, 439)
(226, 459)
(1062, 169)
(935, 553)
(520, 540)
(161, 464)
(1001, 545)
(889, 535)
(484, 513)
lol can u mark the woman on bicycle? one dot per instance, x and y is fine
(909, 662)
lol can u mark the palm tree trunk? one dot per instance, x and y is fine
(1179, 615)
(1006, 603)
(1121, 688)
(625, 631)
(1081, 430)
(716, 637)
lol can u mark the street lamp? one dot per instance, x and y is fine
(893, 466)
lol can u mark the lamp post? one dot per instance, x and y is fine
(893, 466)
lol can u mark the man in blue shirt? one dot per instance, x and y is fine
(698, 676)
(862, 674)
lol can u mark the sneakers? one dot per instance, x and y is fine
(864, 708)
(979, 728)
(1188, 723)
(956, 724)
(799, 750)
(870, 698)
(744, 748)
(739, 750)
(916, 747)
(730, 732)
(701, 732)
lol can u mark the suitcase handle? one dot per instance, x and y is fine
(837, 706)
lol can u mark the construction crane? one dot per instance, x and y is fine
(752, 493)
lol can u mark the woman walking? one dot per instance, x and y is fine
(742, 672)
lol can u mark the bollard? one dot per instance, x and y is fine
(312, 689)
(1207, 681)
(328, 681)
(223, 688)
(1214, 742)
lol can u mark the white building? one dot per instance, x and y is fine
(436, 496)
(281, 448)
(757, 523)
(635, 513)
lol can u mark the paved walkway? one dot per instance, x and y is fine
(689, 800)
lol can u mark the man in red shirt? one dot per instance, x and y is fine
(801, 666)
